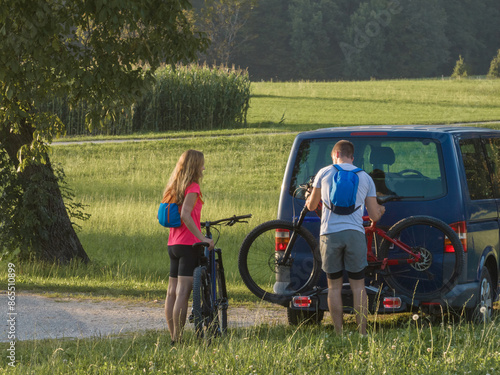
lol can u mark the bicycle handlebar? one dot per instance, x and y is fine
(230, 221)
(387, 198)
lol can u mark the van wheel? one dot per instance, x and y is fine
(297, 317)
(484, 309)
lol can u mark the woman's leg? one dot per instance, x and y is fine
(179, 312)
(169, 304)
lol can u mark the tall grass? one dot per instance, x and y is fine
(194, 98)
(400, 347)
(182, 98)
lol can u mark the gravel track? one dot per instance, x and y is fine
(44, 317)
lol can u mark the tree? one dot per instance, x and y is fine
(393, 39)
(309, 37)
(460, 70)
(494, 71)
(222, 21)
(267, 54)
(101, 52)
(473, 32)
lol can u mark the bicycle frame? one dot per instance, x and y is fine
(369, 232)
(213, 304)
(212, 268)
(372, 258)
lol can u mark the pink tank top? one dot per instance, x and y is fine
(182, 235)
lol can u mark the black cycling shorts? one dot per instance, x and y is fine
(183, 260)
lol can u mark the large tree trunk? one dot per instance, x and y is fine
(60, 242)
(56, 239)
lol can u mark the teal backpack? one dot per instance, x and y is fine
(169, 215)
(343, 191)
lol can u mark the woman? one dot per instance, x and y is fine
(184, 187)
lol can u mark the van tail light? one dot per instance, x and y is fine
(282, 239)
(301, 301)
(392, 302)
(461, 230)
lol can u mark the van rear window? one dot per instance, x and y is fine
(410, 168)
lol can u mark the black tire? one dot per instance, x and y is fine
(298, 317)
(257, 263)
(438, 273)
(483, 311)
(222, 300)
(202, 311)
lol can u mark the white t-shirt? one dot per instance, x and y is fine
(331, 222)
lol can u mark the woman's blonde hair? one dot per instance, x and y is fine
(187, 171)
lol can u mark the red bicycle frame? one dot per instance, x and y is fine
(372, 258)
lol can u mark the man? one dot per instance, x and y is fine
(342, 237)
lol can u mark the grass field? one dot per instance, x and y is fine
(407, 347)
(299, 106)
(122, 186)
(306, 105)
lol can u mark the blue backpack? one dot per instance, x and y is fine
(343, 191)
(169, 215)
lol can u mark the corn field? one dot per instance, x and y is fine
(183, 98)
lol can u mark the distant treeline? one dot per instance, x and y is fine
(185, 98)
(359, 39)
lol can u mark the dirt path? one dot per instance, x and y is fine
(39, 317)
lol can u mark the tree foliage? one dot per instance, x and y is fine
(494, 71)
(222, 21)
(103, 52)
(460, 70)
(359, 39)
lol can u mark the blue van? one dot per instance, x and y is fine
(448, 172)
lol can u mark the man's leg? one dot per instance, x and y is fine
(335, 303)
(360, 302)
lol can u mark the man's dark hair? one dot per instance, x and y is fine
(345, 148)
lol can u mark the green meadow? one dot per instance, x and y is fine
(306, 105)
(406, 347)
(121, 184)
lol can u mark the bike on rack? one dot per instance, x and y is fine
(419, 257)
(210, 301)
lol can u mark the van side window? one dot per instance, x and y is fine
(493, 156)
(476, 169)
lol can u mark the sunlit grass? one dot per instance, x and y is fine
(306, 105)
(122, 186)
(298, 106)
(402, 346)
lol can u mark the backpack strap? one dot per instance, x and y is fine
(355, 170)
(339, 168)
(326, 204)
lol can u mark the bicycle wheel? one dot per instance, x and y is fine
(202, 306)
(222, 300)
(442, 258)
(258, 260)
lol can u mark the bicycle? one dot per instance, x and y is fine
(418, 257)
(210, 300)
